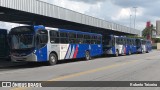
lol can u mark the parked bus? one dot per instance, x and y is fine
(119, 45)
(114, 45)
(148, 46)
(131, 46)
(40, 44)
(143, 45)
(4, 48)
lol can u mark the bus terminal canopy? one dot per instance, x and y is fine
(41, 13)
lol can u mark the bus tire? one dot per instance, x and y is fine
(142, 51)
(52, 59)
(129, 52)
(87, 56)
(117, 53)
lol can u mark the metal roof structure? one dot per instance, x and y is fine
(38, 12)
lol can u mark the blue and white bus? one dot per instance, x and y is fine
(131, 47)
(118, 45)
(148, 46)
(41, 44)
(114, 45)
(143, 46)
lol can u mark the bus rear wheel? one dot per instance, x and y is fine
(129, 52)
(117, 53)
(87, 55)
(142, 51)
(52, 59)
(147, 51)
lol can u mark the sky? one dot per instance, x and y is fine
(117, 11)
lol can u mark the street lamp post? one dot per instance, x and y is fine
(130, 21)
(135, 17)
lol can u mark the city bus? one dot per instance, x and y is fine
(143, 46)
(114, 45)
(44, 44)
(118, 45)
(4, 47)
(148, 46)
(131, 46)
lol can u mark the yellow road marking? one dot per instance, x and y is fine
(83, 73)
(88, 72)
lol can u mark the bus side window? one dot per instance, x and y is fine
(54, 37)
(80, 38)
(120, 41)
(42, 38)
(117, 40)
(128, 41)
(99, 40)
(131, 43)
(87, 39)
(93, 39)
(64, 37)
(73, 38)
(123, 41)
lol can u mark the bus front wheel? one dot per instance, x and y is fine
(129, 52)
(52, 59)
(87, 55)
(117, 53)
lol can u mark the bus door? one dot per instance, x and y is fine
(113, 43)
(41, 45)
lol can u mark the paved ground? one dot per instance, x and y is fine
(137, 67)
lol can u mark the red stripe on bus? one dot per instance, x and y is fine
(76, 52)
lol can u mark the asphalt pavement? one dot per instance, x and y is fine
(136, 67)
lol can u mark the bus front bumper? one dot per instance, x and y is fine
(139, 50)
(29, 58)
(109, 51)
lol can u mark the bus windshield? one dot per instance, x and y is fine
(22, 41)
(138, 42)
(108, 41)
(22, 38)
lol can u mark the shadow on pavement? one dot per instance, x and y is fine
(8, 65)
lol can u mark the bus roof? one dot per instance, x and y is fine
(65, 30)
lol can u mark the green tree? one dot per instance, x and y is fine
(148, 31)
